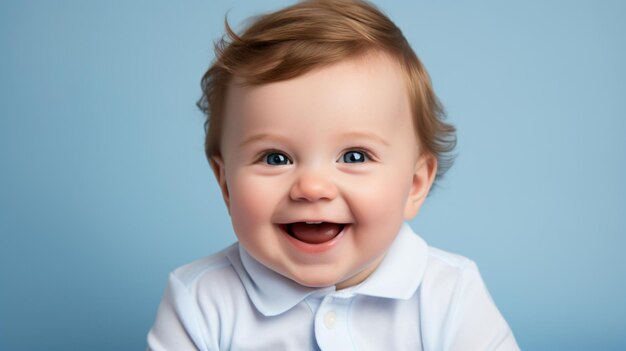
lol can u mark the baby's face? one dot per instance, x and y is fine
(319, 172)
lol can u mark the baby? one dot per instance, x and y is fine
(325, 136)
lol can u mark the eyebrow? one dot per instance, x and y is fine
(366, 135)
(363, 135)
(261, 136)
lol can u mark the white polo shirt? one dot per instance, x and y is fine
(419, 298)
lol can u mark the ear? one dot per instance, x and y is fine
(217, 164)
(423, 177)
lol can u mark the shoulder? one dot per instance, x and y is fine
(452, 260)
(198, 299)
(209, 277)
(457, 308)
(215, 264)
(442, 262)
(446, 273)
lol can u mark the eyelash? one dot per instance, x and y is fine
(366, 153)
(263, 157)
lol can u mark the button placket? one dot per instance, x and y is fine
(330, 318)
(331, 328)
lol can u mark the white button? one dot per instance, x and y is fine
(329, 319)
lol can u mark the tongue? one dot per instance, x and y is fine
(314, 233)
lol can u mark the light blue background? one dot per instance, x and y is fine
(104, 187)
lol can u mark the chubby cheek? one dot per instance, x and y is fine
(378, 202)
(250, 207)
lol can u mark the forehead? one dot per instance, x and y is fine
(370, 89)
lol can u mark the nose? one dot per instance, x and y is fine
(313, 187)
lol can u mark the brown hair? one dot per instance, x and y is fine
(311, 34)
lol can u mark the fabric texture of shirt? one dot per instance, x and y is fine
(419, 298)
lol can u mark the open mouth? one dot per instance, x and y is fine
(313, 232)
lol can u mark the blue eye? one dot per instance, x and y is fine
(354, 157)
(276, 159)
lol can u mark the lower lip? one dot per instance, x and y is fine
(315, 248)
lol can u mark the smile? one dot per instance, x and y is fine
(313, 232)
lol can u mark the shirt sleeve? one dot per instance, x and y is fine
(475, 322)
(178, 323)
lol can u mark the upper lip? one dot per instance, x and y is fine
(312, 221)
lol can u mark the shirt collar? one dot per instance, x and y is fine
(400, 272)
(397, 277)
